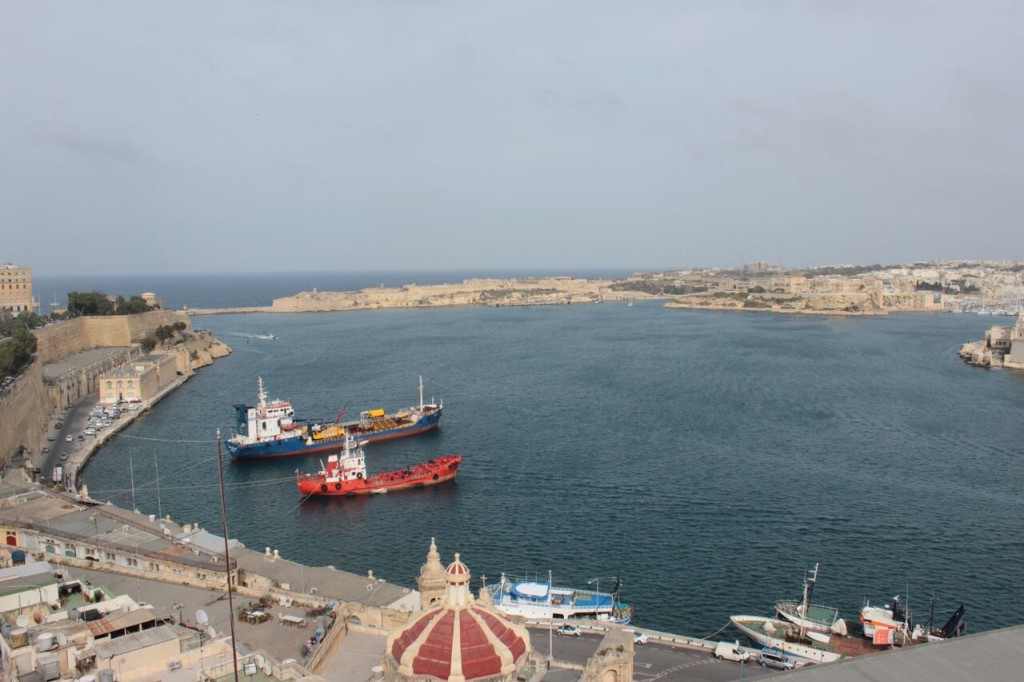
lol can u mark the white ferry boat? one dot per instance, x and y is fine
(544, 600)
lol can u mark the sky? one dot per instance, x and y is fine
(171, 137)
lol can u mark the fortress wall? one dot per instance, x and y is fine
(24, 408)
(67, 338)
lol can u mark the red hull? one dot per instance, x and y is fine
(432, 472)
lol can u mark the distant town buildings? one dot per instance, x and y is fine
(16, 289)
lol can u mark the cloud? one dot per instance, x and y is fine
(94, 147)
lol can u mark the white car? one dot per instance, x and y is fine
(776, 658)
(639, 638)
(569, 631)
(731, 651)
(69, 438)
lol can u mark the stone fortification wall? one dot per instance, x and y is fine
(66, 338)
(23, 410)
(535, 291)
(25, 407)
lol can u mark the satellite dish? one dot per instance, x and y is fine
(201, 617)
(22, 621)
(210, 632)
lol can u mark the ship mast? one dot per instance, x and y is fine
(421, 391)
(809, 589)
(262, 394)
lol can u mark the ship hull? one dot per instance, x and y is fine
(751, 626)
(432, 472)
(296, 446)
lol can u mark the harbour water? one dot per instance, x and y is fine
(706, 458)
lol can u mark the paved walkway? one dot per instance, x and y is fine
(355, 657)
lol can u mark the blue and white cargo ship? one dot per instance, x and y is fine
(270, 429)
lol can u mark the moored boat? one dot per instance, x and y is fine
(806, 647)
(814, 617)
(345, 474)
(544, 600)
(270, 429)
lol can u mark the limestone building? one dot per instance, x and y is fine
(142, 380)
(16, 289)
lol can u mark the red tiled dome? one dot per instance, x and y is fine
(457, 570)
(460, 640)
(470, 643)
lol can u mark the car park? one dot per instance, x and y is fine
(569, 631)
(777, 658)
(731, 651)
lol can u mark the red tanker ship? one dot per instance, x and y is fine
(345, 474)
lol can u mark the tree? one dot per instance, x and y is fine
(88, 303)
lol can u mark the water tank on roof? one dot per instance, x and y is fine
(49, 667)
(19, 637)
(18, 556)
(87, 678)
(44, 642)
(107, 675)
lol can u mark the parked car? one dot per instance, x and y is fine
(569, 630)
(81, 437)
(51, 437)
(59, 425)
(777, 658)
(90, 432)
(45, 450)
(639, 638)
(63, 456)
(69, 438)
(731, 651)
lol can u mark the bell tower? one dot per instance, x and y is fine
(433, 581)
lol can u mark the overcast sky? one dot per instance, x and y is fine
(377, 135)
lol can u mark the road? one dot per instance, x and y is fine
(652, 661)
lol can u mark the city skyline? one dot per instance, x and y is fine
(454, 136)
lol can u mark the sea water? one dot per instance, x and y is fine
(706, 458)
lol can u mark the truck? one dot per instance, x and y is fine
(58, 474)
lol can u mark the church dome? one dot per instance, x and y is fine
(460, 640)
(457, 571)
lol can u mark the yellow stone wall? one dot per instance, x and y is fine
(24, 407)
